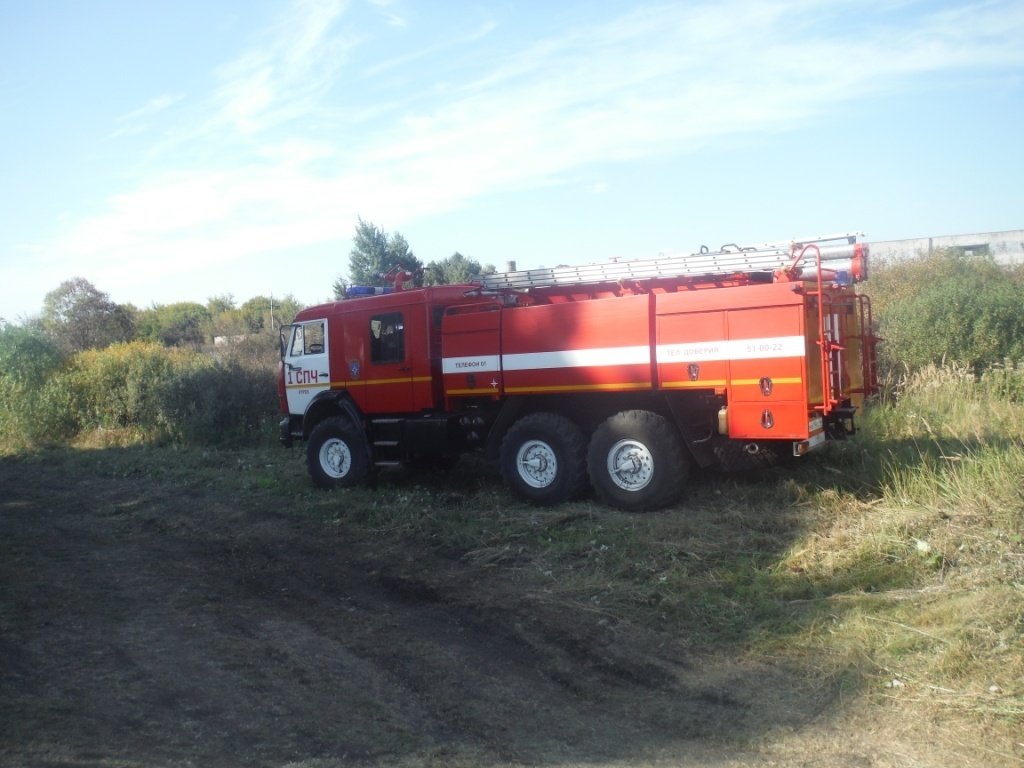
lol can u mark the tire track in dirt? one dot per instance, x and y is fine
(164, 628)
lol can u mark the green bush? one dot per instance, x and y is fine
(947, 307)
(1005, 381)
(216, 401)
(27, 355)
(33, 404)
(122, 386)
(137, 391)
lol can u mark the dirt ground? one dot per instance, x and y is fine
(145, 624)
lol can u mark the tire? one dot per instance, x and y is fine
(337, 454)
(544, 459)
(637, 462)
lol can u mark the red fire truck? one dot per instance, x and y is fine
(619, 377)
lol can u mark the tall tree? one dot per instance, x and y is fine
(453, 270)
(181, 324)
(374, 253)
(218, 304)
(226, 319)
(269, 312)
(79, 316)
(339, 287)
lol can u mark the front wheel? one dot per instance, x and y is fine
(637, 462)
(543, 459)
(337, 454)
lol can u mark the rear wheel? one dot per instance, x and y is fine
(636, 461)
(543, 459)
(337, 454)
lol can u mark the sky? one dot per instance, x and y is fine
(177, 151)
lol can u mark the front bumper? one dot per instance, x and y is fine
(286, 432)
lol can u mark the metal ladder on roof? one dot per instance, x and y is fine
(838, 250)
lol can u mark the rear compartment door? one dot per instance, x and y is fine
(745, 342)
(603, 345)
(767, 373)
(692, 351)
(471, 351)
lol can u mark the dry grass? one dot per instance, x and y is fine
(932, 507)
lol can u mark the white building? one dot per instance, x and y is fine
(1005, 247)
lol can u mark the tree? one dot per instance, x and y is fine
(454, 270)
(216, 305)
(226, 319)
(269, 313)
(374, 253)
(256, 313)
(339, 287)
(286, 308)
(174, 325)
(79, 316)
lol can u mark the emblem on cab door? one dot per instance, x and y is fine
(354, 369)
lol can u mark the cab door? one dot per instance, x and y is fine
(306, 364)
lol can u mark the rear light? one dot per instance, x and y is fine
(815, 438)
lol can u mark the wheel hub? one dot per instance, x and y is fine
(537, 463)
(336, 458)
(630, 465)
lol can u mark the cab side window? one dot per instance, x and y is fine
(313, 341)
(308, 339)
(387, 338)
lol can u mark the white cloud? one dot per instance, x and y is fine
(139, 120)
(285, 73)
(404, 61)
(391, 16)
(658, 80)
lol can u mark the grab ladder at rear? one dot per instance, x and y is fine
(844, 333)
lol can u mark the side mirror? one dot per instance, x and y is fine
(285, 335)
